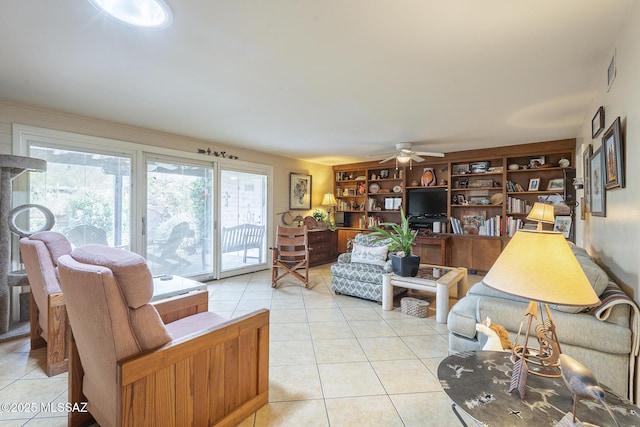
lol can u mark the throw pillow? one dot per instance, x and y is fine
(369, 255)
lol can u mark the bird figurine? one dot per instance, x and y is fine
(582, 383)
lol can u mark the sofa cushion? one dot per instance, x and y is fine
(374, 255)
(597, 277)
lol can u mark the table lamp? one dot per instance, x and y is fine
(330, 201)
(539, 266)
(541, 212)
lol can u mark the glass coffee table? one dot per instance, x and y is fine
(432, 278)
(167, 286)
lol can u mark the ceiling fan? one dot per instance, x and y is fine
(405, 153)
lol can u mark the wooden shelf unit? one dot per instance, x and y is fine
(487, 193)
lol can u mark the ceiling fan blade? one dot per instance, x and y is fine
(429, 153)
(416, 159)
(386, 153)
(388, 158)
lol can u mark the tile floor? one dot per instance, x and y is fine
(335, 360)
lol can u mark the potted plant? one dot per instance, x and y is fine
(402, 236)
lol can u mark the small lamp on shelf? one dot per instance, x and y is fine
(542, 213)
(539, 266)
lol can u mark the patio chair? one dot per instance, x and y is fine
(291, 253)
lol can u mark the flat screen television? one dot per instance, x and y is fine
(427, 202)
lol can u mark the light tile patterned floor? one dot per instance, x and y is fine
(335, 360)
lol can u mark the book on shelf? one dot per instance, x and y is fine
(513, 225)
(455, 226)
(491, 227)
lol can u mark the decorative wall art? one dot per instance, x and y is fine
(598, 200)
(613, 156)
(597, 123)
(299, 191)
(586, 170)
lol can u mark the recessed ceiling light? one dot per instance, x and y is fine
(139, 13)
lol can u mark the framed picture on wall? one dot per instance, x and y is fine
(612, 153)
(299, 191)
(596, 181)
(586, 171)
(597, 123)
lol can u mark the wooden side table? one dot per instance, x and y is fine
(478, 382)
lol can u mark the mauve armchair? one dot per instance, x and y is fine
(200, 370)
(48, 315)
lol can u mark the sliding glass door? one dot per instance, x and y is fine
(88, 193)
(188, 216)
(243, 221)
(179, 218)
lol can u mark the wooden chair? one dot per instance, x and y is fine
(48, 315)
(291, 253)
(133, 369)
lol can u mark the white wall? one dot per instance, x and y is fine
(614, 240)
(33, 116)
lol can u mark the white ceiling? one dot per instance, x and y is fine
(326, 81)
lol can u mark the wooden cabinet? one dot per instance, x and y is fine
(344, 234)
(477, 253)
(324, 246)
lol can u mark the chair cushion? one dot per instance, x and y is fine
(56, 243)
(194, 324)
(130, 270)
(374, 255)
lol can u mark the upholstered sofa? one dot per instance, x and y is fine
(603, 338)
(359, 273)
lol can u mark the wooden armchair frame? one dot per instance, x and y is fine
(56, 334)
(215, 378)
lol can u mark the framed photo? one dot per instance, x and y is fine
(299, 191)
(597, 123)
(563, 225)
(596, 182)
(534, 184)
(536, 162)
(612, 153)
(586, 171)
(556, 184)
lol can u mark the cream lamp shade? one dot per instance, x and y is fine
(329, 200)
(540, 266)
(541, 212)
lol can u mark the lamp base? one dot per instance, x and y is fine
(537, 365)
(543, 360)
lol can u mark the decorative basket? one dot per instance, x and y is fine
(414, 306)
